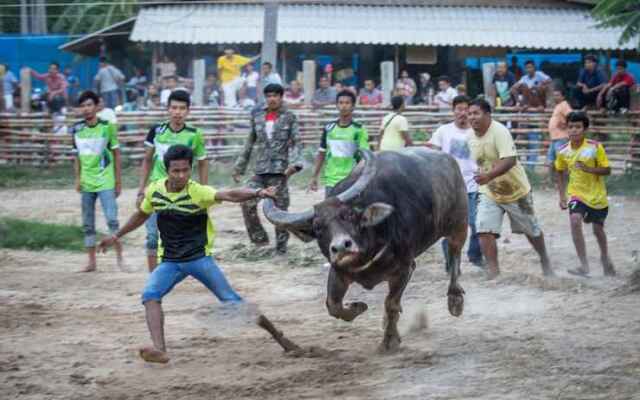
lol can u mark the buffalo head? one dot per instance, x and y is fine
(343, 231)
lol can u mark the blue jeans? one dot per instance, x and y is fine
(554, 146)
(110, 98)
(533, 137)
(109, 207)
(170, 273)
(151, 226)
(473, 253)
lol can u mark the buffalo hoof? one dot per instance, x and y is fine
(354, 309)
(456, 301)
(390, 344)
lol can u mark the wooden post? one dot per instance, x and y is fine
(198, 82)
(387, 80)
(309, 80)
(25, 90)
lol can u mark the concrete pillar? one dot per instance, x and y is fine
(309, 80)
(199, 77)
(488, 70)
(387, 80)
(269, 37)
(25, 90)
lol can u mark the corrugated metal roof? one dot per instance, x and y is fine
(426, 26)
(195, 24)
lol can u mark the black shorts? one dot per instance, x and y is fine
(589, 215)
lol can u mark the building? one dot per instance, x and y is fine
(454, 36)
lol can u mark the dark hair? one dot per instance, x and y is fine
(268, 63)
(102, 59)
(444, 78)
(347, 93)
(397, 102)
(88, 95)
(459, 100)
(273, 88)
(177, 152)
(57, 64)
(561, 90)
(621, 63)
(483, 104)
(167, 77)
(591, 57)
(180, 95)
(529, 62)
(579, 116)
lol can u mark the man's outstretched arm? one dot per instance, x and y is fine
(244, 194)
(137, 219)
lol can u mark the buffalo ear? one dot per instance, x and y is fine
(375, 213)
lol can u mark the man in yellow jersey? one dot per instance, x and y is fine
(229, 71)
(187, 234)
(585, 163)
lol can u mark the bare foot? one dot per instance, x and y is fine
(88, 268)
(122, 264)
(151, 354)
(607, 266)
(492, 273)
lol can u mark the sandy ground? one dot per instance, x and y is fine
(65, 335)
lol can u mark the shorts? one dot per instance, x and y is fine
(554, 146)
(589, 215)
(523, 218)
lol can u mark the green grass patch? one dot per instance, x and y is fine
(32, 235)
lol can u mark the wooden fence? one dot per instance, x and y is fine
(29, 139)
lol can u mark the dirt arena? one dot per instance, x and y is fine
(65, 335)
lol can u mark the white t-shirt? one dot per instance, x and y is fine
(455, 141)
(251, 79)
(444, 98)
(538, 79)
(107, 114)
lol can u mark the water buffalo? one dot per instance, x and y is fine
(392, 208)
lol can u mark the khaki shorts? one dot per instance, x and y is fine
(523, 218)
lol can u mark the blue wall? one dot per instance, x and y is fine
(38, 51)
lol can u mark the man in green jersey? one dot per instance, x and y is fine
(97, 172)
(340, 142)
(159, 139)
(187, 234)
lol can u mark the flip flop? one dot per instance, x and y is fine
(579, 272)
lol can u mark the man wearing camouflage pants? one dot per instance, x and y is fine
(274, 131)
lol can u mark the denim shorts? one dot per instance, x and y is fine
(554, 146)
(151, 225)
(170, 273)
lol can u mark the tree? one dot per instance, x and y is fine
(88, 17)
(623, 14)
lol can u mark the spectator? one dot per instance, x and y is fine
(407, 86)
(590, 82)
(531, 89)
(212, 92)
(394, 131)
(294, 97)
(73, 86)
(444, 98)
(244, 102)
(426, 89)
(154, 102)
(251, 78)
(325, 95)
(461, 90)
(557, 129)
(9, 85)
(56, 87)
(138, 82)
(269, 76)
(166, 67)
(169, 84)
(106, 113)
(369, 95)
(616, 95)
(338, 87)
(503, 81)
(515, 68)
(108, 81)
(229, 67)
(152, 90)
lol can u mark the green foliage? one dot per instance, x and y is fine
(623, 14)
(90, 17)
(31, 235)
